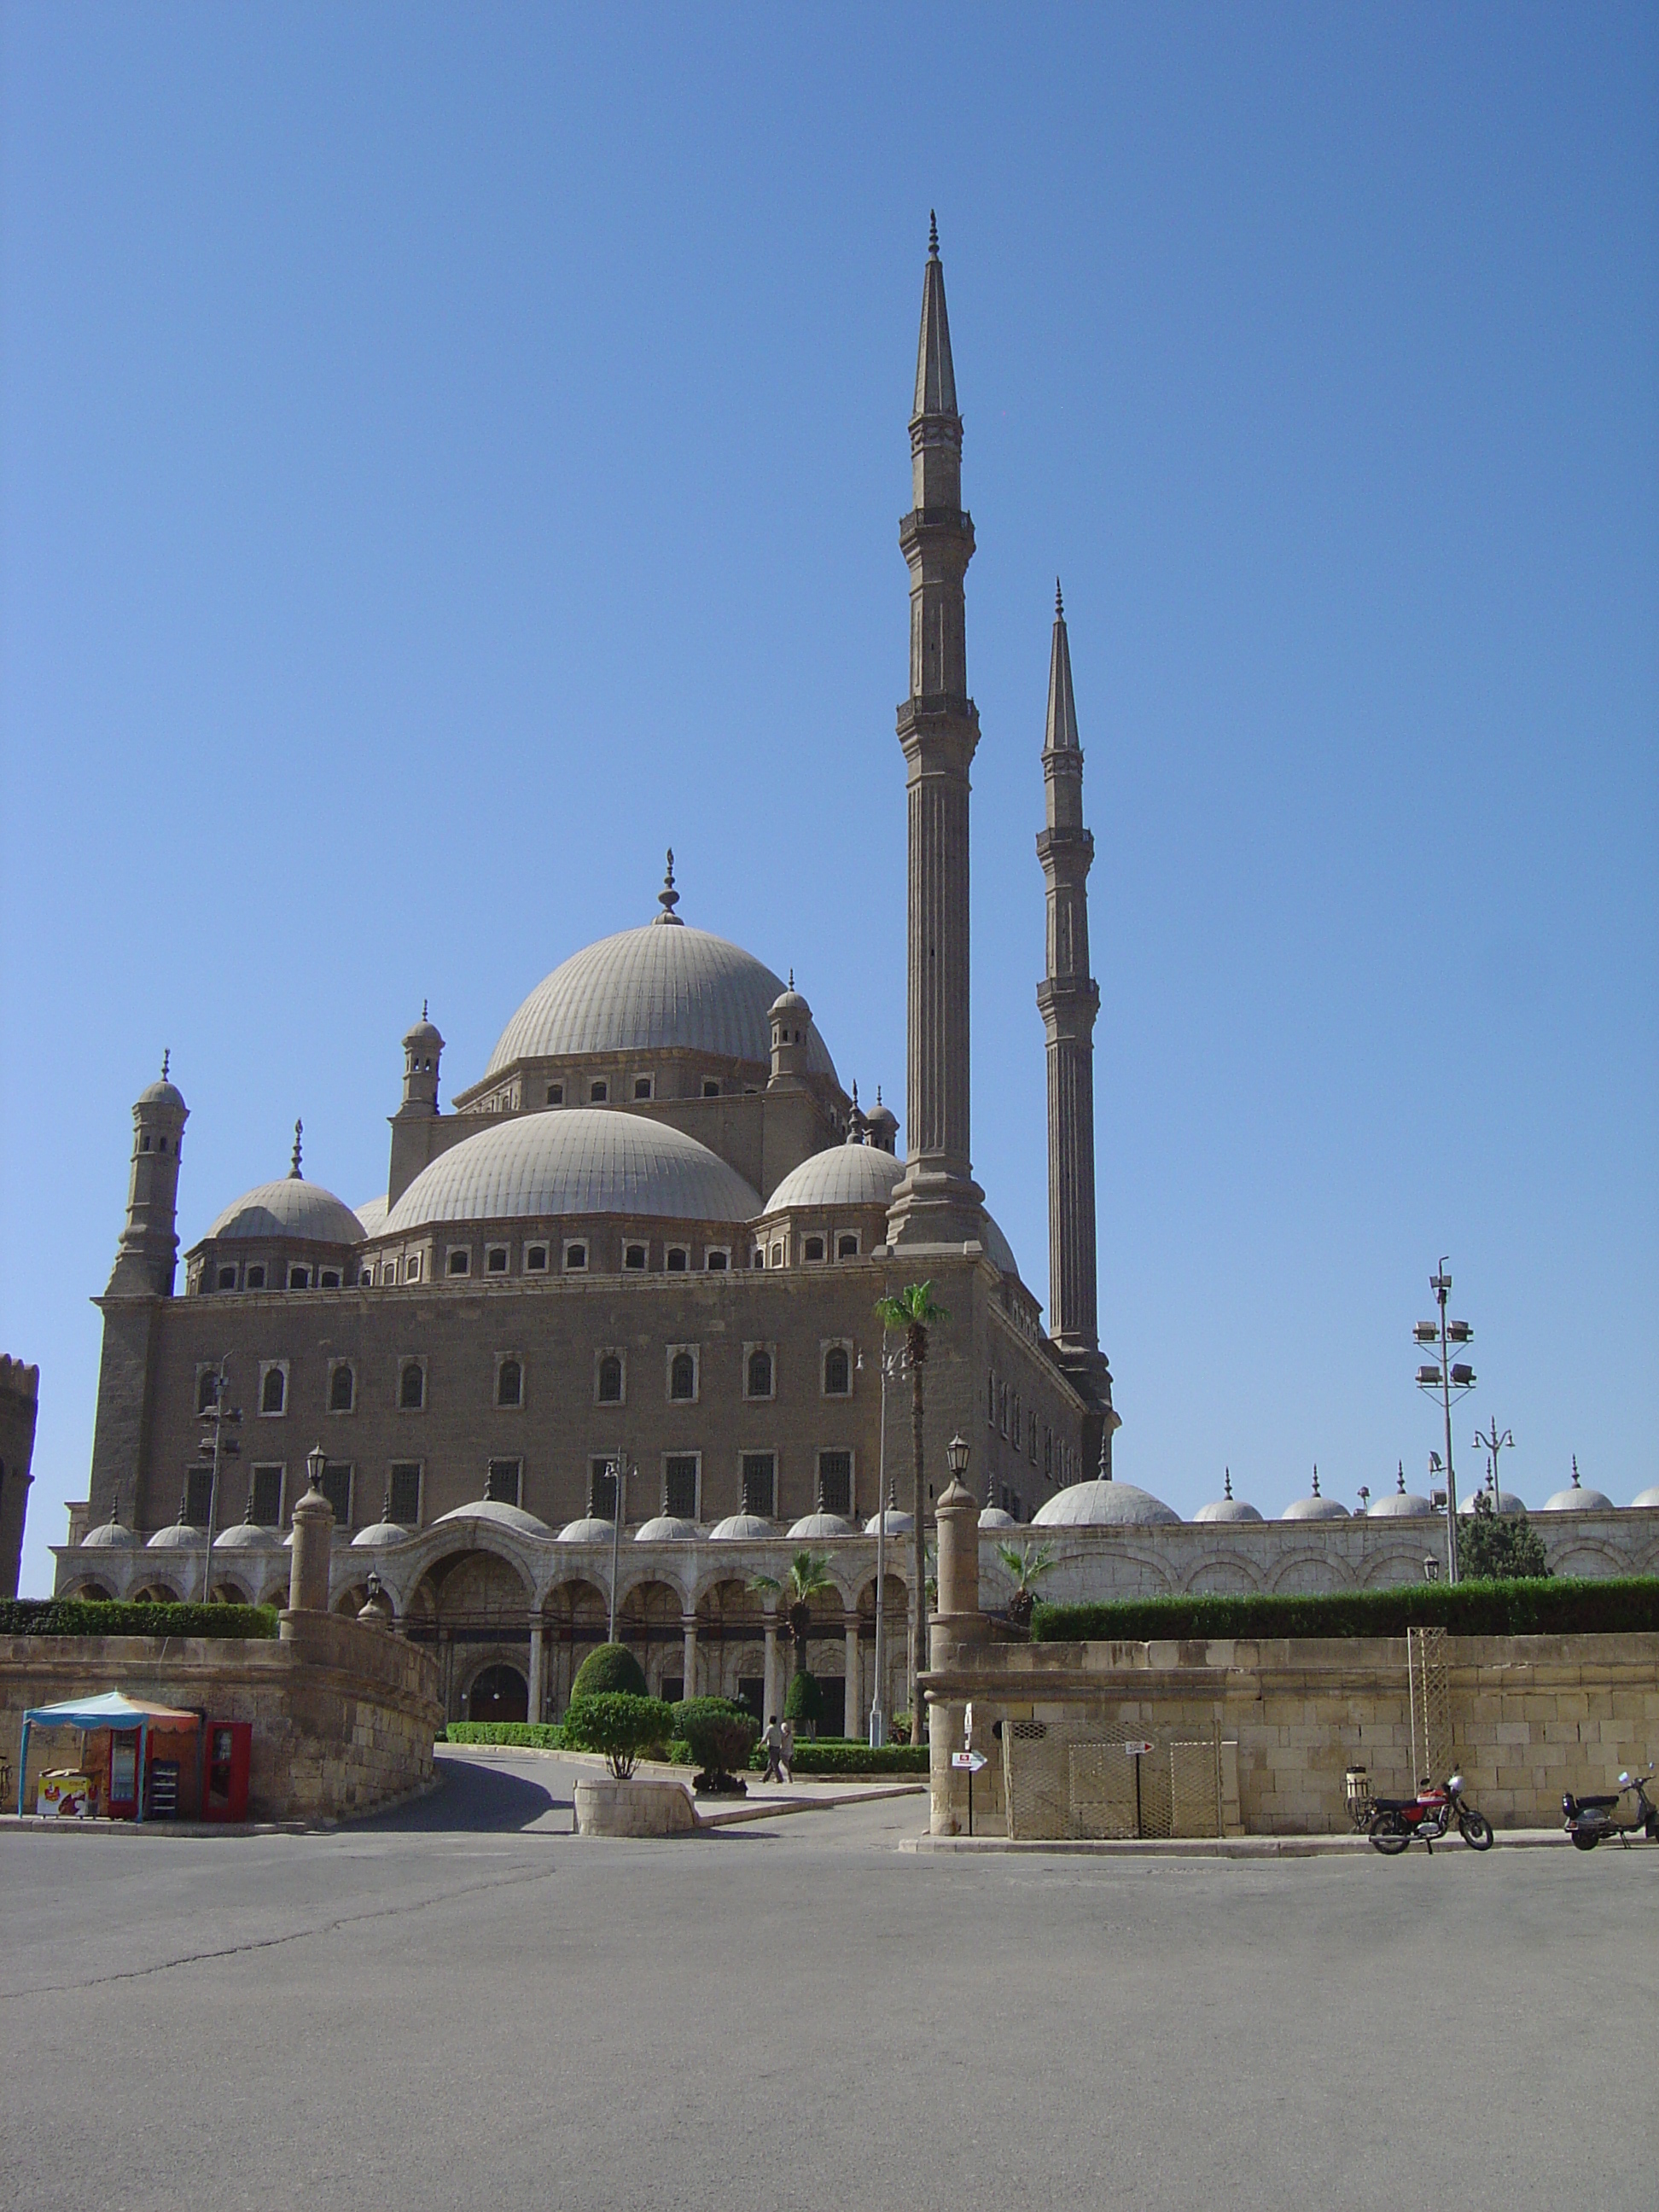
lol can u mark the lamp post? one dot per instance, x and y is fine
(892, 1362)
(619, 1489)
(217, 1415)
(316, 1466)
(1492, 1444)
(1443, 1377)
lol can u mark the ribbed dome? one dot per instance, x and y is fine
(116, 1536)
(1578, 1500)
(812, 1527)
(512, 1518)
(177, 1536)
(1227, 1509)
(301, 1211)
(666, 1529)
(650, 990)
(846, 1175)
(1104, 1505)
(372, 1213)
(588, 1531)
(740, 1529)
(378, 1534)
(588, 1160)
(248, 1536)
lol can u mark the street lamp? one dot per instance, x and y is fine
(1492, 1444)
(316, 1462)
(619, 1486)
(892, 1362)
(1444, 1377)
(956, 1455)
(217, 1416)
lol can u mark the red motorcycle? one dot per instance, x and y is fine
(1429, 1816)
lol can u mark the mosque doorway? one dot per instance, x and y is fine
(500, 1693)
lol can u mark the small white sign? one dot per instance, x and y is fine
(1137, 1750)
(969, 1761)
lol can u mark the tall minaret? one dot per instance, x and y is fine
(147, 1252)
(937, 1201)
(1069, 999)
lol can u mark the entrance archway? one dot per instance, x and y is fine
(500, 1693)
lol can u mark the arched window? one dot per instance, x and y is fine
(411, 1387)
(760, 1373)
(509, 1384)
(207, 1391)
(342, 1390)
(611, 1379)
(837, 1372)
(683, 1376)
(273, 1391)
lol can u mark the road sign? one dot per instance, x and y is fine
(970, 1762)
(1137, 1750)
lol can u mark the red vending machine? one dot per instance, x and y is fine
(229, 1753)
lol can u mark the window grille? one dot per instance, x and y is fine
(836, 1481)
(404, 1504)
(411, 1391)
(679, 1485)
(342, 1390)
(337, 1488)
(501, 1486)
(759, 1379)
(265, 1505)
(601, 1490)
(760, 1484)
(837, 1372)
(198, 1496)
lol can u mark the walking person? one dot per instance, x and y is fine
(775, 1741)
(787, 1751)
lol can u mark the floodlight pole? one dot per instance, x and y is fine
(1441, 1382)
(890, 1362)
(220, 1416)
(619, 1481)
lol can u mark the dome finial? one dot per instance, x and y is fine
(293, 1171)
(932, 235)
(425, 1016)
(1316, 1487)
(1227, 1485)
(668, 898)
(1060, 604)
(792, 979)
(166, 1062)
(1105, 1453)
(1401, 1480)
(1575, 1470)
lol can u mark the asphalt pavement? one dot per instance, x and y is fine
(463, 2005)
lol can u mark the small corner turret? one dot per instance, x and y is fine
(791, 1019)
(147, 1256)
(421, 1049)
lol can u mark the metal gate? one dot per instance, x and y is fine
(1430, 1701)
(1064, 1780)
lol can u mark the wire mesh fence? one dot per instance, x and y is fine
(1064, 1779)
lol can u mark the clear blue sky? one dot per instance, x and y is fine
(450, 455)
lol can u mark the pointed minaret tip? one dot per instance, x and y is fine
(1061, 731)
(932, 234)
(936, 375)
(1060, 604)
(293, 1170)
(167, 1063)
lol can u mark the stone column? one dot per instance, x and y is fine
(314, 1538)
(537, 1672)
(771, 1700)
(689, 1628)
(957, 1623)
(853, 1712)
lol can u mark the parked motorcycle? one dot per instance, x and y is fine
(1428, 1816)
(1591, 1820)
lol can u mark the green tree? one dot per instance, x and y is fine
(808, 1578)
(1496, 1547)
(612, 1666)
(1028, 1564)
(721, 1736)
(915, 1310)
(805, 1702)
(621, 1726)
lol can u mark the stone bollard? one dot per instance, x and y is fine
(957, 1621)
(314, 1538)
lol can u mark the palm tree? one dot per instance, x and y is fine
(808, 1578)
(1027, 1563)
(915, 1310)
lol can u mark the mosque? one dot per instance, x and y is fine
(641, 1252)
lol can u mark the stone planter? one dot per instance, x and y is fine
(635, 1807)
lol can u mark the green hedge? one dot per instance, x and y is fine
(1557, 1607)
(87, 1616)
(837, 1756)
(530, 1735)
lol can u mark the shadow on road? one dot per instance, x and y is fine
(474, 1798)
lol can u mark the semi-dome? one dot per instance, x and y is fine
(589, 1529)
(846, 1175)
(654, 989)
(1098, 1505)
(588, 1160)
(177, 1536)
(812, 1527)
(300, 1211)
(113, 1535)
(740, 1529)
(372, 1213)
(1227, 1507)
(513, 1518)
(666, 1529)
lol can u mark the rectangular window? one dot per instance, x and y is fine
(460, 1261)
(642, 1087)
(198, 1496)
(501, 1487)
(575, 1258)
(1002, 1409)
(1030, 1449)
(337, 1488)
(760, 1484)
(836, 1481)
(811, 1248)
(599, 1093)
(717, 1260)
(991, 1399)
(1049, 1453)
(266, 1498)
(679, 1485)
(404, 1494)
(678, 1260)
(256, 1277)
(227, 1279)
(555, 1094)
(634, 1258)
(535, 1259)
(847, 1245)
(388, 1271)
(710, 1088)
(777, 1254)
(601, 1490)
(496, 1259)
(412, 1268)
(330, 1278)
(298, 1278)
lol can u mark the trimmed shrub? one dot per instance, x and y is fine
(804, 1701)
(1616, 1607)
(612, 1667)
(531, 1735)
(832, 1755)
(720, 1737)
(620, 1726)
(91, 1616)
(1494, 1548)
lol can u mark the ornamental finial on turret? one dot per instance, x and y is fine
(1316, 1486)
(1105, 1454)
(1060, 604)
(668, 898)
(166, 1062)
(932, 234)
(1227, 1484)
(293, 1171)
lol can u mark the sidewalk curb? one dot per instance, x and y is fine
(1211, 1847)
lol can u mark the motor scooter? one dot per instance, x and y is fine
(1592, 1820)
(1395, 1820)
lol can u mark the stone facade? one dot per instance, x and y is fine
(20, 1404)
(343, 1715)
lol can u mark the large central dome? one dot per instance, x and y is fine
(653, 989)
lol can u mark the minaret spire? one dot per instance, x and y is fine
(1068, 998)
(937, 1201)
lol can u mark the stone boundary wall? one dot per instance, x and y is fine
(1531, 1716)
(343, 1715)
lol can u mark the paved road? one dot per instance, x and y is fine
(462, 2006)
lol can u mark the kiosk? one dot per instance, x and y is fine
(130, 1789)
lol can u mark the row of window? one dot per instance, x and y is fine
(1003, 1413)
(682, 1379)
(682, 1491)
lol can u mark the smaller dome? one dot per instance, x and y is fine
(1642, 1498)
(789, 1006)
(740, 1529)
(511, 1518)
(424, 1037)
(372, 1213)
(997, 1249)
(163, 1094)
(814, 1525)
(177, 1536)
(666, 1529)
(379, 1533)
(248, 1536)
(293, 1208)
(992, 1516)
(845, 1175)
(1578, 1500)
(1507, 1502)
(1400, 1504)
(1314, 1507)
(1227, 1507)
(1098, 1505)
(116, 1536)
(589, 1529)
(897, 1523)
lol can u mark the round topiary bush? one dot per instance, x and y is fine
(622, 1727)
(721, 1736)
(612, 1667)
(804, 1703)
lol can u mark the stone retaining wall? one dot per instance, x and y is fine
(1531, 1716)
(343, 1715)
